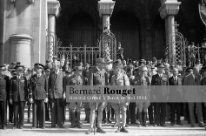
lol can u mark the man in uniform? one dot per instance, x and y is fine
(57, 96)
(75, 107)
(19, 95)
(39, 92)
(120, 78)
(143, 80)
(4, 90)
(159, 108)
(98, 77)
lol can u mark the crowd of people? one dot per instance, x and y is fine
(42, 88)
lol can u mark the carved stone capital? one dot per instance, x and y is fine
(169, 7)
(106, 7)
(53, 7)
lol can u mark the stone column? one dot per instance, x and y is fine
(21, 49)
(168, 10)
(53, 11)
(105, 11)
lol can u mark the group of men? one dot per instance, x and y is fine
(44, 88)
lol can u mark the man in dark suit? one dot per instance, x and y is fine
(19, 95)
(4, 89)
(159, 108)
(56, 95)
(39, 94)
(175, 80)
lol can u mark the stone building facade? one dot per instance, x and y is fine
(142, 26)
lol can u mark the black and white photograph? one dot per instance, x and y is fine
(103, 67)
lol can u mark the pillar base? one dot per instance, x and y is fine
(21, 49)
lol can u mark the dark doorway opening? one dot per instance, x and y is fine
(126, 27)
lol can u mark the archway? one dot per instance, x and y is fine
(126, 27)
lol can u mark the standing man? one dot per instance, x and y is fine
(56, 95)
(19, 95)
(39, 93)
(75, 107)
(120, 78)
(159, 108)
(98, 77)
(4, 90)
(143, 80)
(175, 107)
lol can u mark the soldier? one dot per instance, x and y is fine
(57, 96)
(203, 80)
(75, 107)
(120, 78)
(98, 77)
(39, 93)
(159, 108)
(4, 90)
(19, 95)
(142, 79)
(86, 73)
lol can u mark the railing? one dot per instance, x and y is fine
(84, 54)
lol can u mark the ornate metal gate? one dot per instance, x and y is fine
(108, 45)
(180, 43)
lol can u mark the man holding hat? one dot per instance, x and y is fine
(98, 77)
(4, 89)
(18, 96)
(39, 93)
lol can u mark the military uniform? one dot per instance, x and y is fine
(98, 77)
(120, 79)
(159, 108)
(39, 89)
(19, 95)
(142, 106)
(75, 107)
(4, 90)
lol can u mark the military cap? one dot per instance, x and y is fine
(160, 65)
(118, 63)
(100, 60)
(189, 69)
(40, 66)
(2, 67)
(78, 66)
(19, 67)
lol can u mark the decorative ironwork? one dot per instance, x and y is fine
(179, 46)
(108, 46)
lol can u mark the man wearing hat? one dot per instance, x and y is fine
(39, 93)
(57, 96)
(142, 80)
(120, 78)
(4, 89)
(18, 96)
(98, 77)
(75, 107)
(159, 108)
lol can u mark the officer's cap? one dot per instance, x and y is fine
(19, 67)
(2, 67)
(160, 65)
(40, 66)
(100, 60)
(118, 63)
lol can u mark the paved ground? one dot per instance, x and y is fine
(185, 130)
